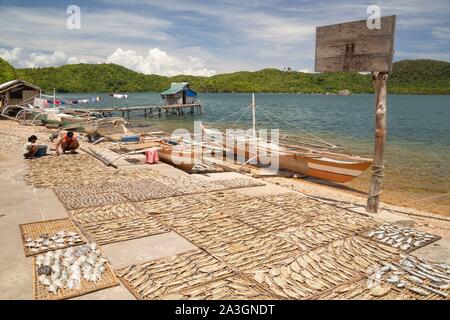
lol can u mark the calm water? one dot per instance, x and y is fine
(418, 141)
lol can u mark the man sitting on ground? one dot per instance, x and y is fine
(30, 147)
(68, 143)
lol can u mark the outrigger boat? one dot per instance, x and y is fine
(308, 159)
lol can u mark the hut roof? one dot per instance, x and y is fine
(176, 87)
(16, 83)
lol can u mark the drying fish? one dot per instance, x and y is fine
(67, 268)
(419, 291)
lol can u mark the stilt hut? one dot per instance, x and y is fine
(179, 93)
(17, 92)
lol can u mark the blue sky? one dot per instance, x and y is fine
(205, 37)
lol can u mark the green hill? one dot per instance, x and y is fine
(7, 71)
(408, 76)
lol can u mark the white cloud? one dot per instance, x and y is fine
(159, 62)
(21, 58)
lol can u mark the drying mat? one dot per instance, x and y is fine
(71, 190)
(84, 200)
(144, 189)
(34, 230)
(189, 185)
(103, 213)
(258, 252)
(64, 170)
(387, 289)
(322, 269)
(40, 292)
(358, 290)
(123, 229)
(299, 203)
(231, 288)
(267, 217)
(406, 239)
(238, 183)
(171, 205)
(313, 234)
(213, 235)
(171, 275)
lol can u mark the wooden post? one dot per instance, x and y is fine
(379, 82)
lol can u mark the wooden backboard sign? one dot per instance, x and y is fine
(352, 46)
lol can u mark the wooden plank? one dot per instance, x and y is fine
(352, 46)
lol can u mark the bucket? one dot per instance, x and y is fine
(41, 150)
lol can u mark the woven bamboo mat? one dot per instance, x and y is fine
(322, 269)
(48, 229)
(406, 239)
(123, 229)
(231, 288)
(144, 189)
(258, 252)
(215, 234)
(103, 213)
(84, 189)
(168, 276)
(78, 200)
(52, 171)
(40, 292)
(313, 234)
(298, 203)
(370, 287)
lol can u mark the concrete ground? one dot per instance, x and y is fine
(21, 203)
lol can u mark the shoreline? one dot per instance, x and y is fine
(10, 131)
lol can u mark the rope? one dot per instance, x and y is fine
(432, 197)
(307, 132)
(244, 113)
(223, 118)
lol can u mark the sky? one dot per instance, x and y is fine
(170, 37)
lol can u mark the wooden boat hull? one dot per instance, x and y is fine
(181, 159)
(325, 168)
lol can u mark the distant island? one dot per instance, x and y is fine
(408, 77)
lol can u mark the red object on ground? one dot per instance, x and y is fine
(151, 155)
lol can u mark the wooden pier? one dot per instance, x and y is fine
(176, 109)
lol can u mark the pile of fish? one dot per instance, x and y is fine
(167, 277)
(104, 213)
(123, 229)
(44, 242)
(404, 238)
(418, 276)
(66, 269)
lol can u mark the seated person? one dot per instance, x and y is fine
(30, 147)
(68, 143)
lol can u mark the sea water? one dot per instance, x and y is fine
(417, 149)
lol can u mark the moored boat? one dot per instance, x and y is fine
(318, 162)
